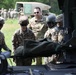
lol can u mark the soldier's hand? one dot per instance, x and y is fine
(59, 48)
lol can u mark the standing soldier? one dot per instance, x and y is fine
(38, 26)
(18, 39)
(51, 34)
(2, 38)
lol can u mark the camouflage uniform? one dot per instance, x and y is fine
(55, 34)
(38, 27)
(18, 40)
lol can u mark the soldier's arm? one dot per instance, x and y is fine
(4, 46)
(14, 42)
(47, 35)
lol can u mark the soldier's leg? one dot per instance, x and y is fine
(39, 61)
(18, 62)
(27, 62)
(45, 60)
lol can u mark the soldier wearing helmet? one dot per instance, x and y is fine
(2, 37)
(59, 20)
(51, 20)
(51, 33)
(18, 40)
(55, 31)
(60, 28)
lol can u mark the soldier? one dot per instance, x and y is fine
(60, 28)
(2, 38)
(51, 33)
(18, 39)
(38, 26)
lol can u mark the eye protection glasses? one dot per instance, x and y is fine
(36, 12)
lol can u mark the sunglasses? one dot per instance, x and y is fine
(36, 12)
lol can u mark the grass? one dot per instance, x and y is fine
(8, 29)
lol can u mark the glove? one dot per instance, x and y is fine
(6, 54)
(2, 56)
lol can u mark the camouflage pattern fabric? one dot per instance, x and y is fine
(57, 36)
(39, 27)
(18, 40)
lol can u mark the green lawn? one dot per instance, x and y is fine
(8, 29)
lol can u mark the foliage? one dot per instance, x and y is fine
(54, 7)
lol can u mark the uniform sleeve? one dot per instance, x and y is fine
(4, 46)
(32, 36)
(14, 42)
(47, 35)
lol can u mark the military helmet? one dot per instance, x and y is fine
(1, 20)
(23, 20)
(51, 18)
(59, 18)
